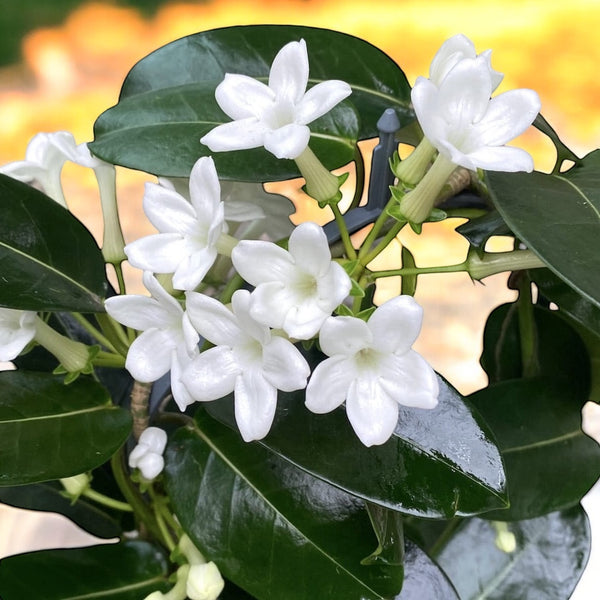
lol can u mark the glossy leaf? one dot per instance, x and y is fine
(259, 517)
(550, 463)
(558, 217)
(562, 151)
(49, 260)
(125, 571)
(377, 81)
(159, 132)
(49, 430)
(550, 556)
(47, 496)
(438, 462)
(561, 354)
(203, 59)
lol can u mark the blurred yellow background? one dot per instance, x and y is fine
(72, 72)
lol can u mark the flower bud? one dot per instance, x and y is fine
(321, 185)
(204, 582)
(76, 485)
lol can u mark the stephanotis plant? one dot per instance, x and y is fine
(256, 425)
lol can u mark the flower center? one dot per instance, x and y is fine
(367, 359)
(249, 353)
(281, 114)
(305, 286)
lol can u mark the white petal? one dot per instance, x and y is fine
(139, 312)
(396, 324)
(205, 190)
(242, 134)
(211, 375)
(320, 99)
(151, 465)
(212, 320)
(333, 287)
(155, 438)
(450, 53)
(192, 268)
(241, 303)
(159, 253)
(240, 97)
(149, 357)
(168, 211)
(303, 321)
(425, 100)
(289, 72)
(136, 454)
(288, 141)
(504, 158)
(255, 404)
(344, 336)
(257, 261)
(329, 384)
(410, 380)
(371, 412)
(17, 329)
(508, 116)
(190, 335)
(167, 302)
(309, 249)
(270, 304)
(181, 394)
(283, 365)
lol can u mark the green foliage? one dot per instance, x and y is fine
(49, 430)
(124, 571)
(438, 463)
(50, 261)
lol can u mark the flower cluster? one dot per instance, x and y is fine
(463, 123)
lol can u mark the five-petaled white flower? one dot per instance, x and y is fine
(189, 232)
(44, 159)
(297, 289)
(147, 456)
(373, 368)
(468, 128)
(247, 360)
(275, 115)
(17, 329)
(168, 340)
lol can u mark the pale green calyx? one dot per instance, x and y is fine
(491, 263)
(321, 184)
(413, 168)
(76, 485)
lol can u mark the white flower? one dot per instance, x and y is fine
(168, 340)
(275, 115)
(297, 289)
(468, 128)
(44, 160)
(451, 52)
(247, 360)
(147, 455)
(17, 329)
(373, 368)
(186, 244)
(204, 582)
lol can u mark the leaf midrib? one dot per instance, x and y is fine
(57, 415)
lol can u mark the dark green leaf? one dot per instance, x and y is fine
(550, 556)
(409, 282)
(125, 571)
(562, 152)
(438, 463)
(47, 496)
(478, 231)
(48, 259)
(558, 217)
(139, 133)
(159, 132)
(377, 81)
(271, 528)
(49, 430)
(388, 527)
(550, 463)
(561, 354)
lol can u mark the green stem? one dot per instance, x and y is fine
(419, 271)
(113, 332)
(133, 496)
(359, 163)
(120, 278)
(234, 284)
(339, 219)
(372, 235)
(439, 544)
(158, 503)
(94, 332)
(106, 501)
(383, 244)
(527, 330)
(105, 359)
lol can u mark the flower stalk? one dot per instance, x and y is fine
(480, 267)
